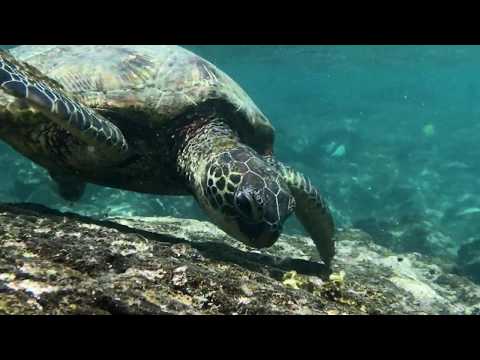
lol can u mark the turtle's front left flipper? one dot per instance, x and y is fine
(70, 188)
(27, 83)
(310, 210)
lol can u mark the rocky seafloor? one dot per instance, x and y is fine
(62, 263)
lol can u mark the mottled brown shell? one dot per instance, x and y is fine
(166, 81)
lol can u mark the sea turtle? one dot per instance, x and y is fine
(159, 120)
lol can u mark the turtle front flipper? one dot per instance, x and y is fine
(310, 210)
(24, 82)
(70, 188)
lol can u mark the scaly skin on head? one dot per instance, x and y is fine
(239, 190)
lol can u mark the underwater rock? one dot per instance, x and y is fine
(59, 263)
(410, 233)
(379, 230)
(469, 260)
(414, 239)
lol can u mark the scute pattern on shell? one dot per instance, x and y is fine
(165, 80)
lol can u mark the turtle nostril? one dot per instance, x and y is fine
(291, 204)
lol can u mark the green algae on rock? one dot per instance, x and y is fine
(60, 263)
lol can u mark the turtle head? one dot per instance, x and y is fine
(246, 197)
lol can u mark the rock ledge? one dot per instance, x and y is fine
(55, 263)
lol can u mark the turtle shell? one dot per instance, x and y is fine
(164, 83)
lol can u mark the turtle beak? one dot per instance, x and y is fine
(267, 239)
(261, 235)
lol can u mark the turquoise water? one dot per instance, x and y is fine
(389, 134)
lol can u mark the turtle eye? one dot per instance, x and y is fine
(242, 201)
(248, 205)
